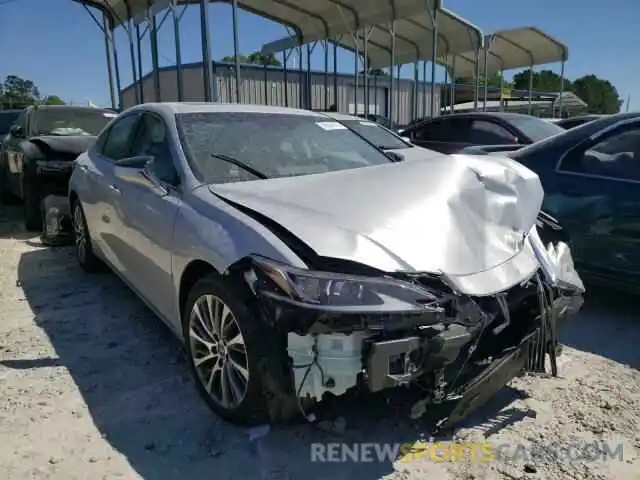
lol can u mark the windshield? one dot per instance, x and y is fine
(72, 121)
(6, 120)
(535, 128)
(229, 147)
(374, 133)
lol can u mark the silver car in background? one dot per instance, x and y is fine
(295, 260)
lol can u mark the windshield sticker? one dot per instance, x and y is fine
(331, 126)
(368, 124)
(110, 115)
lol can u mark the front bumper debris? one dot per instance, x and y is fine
(460, 350)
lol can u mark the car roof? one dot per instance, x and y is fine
(73, 107)
(206, 107)
(504, 115)
(342, 116)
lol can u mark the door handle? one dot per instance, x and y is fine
(114, 189)
(84, 168)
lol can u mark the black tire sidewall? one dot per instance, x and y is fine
(89, 262)
(252, 410)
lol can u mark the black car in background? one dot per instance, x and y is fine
(591, 179)
(36, 157)
(455, 132)
(576, 121)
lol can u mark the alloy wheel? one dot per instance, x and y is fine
(80, 233)
(218, 351)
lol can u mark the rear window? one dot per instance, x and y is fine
(535, 128)
(376, 134)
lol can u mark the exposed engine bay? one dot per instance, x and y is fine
(458, 349)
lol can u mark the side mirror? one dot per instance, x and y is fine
(139, 170)
(394, 156)
(16, 131)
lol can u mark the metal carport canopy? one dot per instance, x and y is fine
(510, 49)
(413, 28)
(310, 19)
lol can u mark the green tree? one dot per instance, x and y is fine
(18, 92)
(543, 81)
(599, 94)
(256, 58)
(52, 100)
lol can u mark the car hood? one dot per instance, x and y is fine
(456, 215)
(65, 144)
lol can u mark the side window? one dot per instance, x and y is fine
(152, 139)
(445, 130)
(483, 132)
(117, 144)
(617, 156)
(21, 121)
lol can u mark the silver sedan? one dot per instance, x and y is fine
(296, 260)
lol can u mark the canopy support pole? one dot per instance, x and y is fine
(452, 95)
(416, 80)
(561, 87)
(176, 17)
(434, 57)
(207, 71)
(424, 89)
(139, 55)
(236, 58)
(501, 89)
(485, 78)
(356, 53)
(476, 73)
(153, 43)
(108, 45)
(336, 100)
(530, 89)
(285, 74)
(325, 45)
(392, 57)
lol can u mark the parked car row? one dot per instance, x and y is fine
(300, 255)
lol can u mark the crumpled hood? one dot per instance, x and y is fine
(65, 144)
(453, 214)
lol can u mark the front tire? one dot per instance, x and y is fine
(84, 251)
(223, 346)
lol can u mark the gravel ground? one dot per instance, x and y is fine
(94, 387)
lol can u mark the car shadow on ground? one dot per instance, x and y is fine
(132, 376)
(11, 223)
(608, 325)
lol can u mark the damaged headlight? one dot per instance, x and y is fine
(348, 292)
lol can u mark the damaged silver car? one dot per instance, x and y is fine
(297, 261)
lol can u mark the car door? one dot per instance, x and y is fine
(445, 134)
(146, 216)
(597, 197)
(100, 194)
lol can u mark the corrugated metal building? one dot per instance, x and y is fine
(267, 86)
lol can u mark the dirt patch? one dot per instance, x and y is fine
(94, 387)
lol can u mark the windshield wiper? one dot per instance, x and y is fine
(239, 163)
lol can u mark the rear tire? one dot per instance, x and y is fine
(84, 251)
(223, 344)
